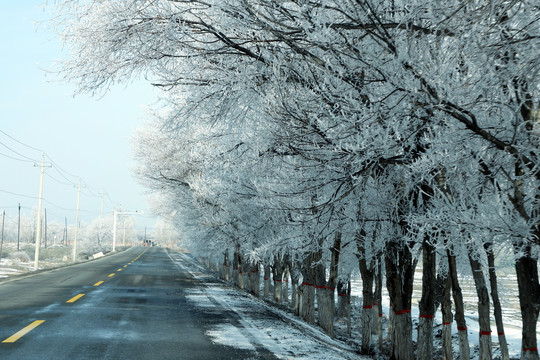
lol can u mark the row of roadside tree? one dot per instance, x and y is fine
(323, 138)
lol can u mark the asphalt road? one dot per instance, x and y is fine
(130, 305)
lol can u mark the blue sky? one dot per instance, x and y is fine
(85, 137)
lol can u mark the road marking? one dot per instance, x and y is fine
(119, 270)
(111, 275)
(98, 283)
(75, 298)
(23, 332)
(125, 265)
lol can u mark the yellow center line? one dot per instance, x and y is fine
(98, 283)
(119, 270)
(111, 275)
(75, 298)
(23, 332)
(125, 265)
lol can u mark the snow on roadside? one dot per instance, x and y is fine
(512, 328)
(281, 334)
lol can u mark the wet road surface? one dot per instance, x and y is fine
(130, 305)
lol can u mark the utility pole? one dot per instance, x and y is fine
(65, 237)
(101, 217)
(77, 222)
(2, 241)
(45, 231)
(124, 234)
(38, 232)
(19, 228)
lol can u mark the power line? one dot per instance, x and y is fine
(14, 158)
(18, 153)
(20, 142)
(61, 171)
(12, 193)
(58, 181)
(59, 168)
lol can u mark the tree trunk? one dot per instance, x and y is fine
(342, 311)
(349, 317)
(277, 276)
(285, 285)
(307, 311)
(255, 279)
(237, 268)
(367, 272)
(497, 310)
(402, 345)
(325, 289)
(447, 318)
(483, 309)
(427, 303)
(226, 267)
(378, 305)
(399, 282)
(464, 350)
(295, 297)
(266, 279)
(325, 308)
(527, 277)
(243, 272)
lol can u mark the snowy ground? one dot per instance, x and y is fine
(237, 299)
(511, 313)
(15, 262)
(281, 333)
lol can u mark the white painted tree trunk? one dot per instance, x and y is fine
(447, 341)
(285, 286)
(277, 290)
(464, 349)
(484, 320)
(529, 354)
(326, 309)
(367, 323)
(295, 297)
(425, 339)
(244, 275)
(308, 304)
(255, 280)
(266, 279)
(402, 349)
(447, 318)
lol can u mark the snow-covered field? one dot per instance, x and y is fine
(509, 300)
(15, 262)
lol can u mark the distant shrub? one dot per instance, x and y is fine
(19, 256)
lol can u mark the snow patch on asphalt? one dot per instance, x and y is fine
(230, 336)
